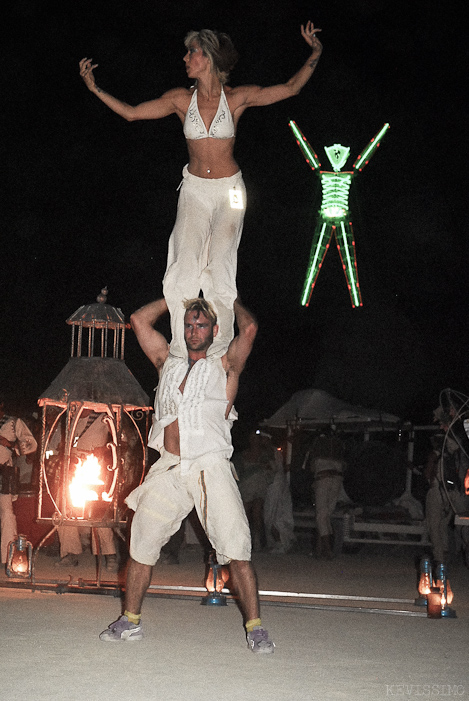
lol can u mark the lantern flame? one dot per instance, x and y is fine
(86, 477)
(425, 584)
(449, 592)
(216, 583)
(20, 564)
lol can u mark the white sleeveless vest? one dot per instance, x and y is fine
(200, 411)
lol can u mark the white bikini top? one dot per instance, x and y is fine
(222, 126)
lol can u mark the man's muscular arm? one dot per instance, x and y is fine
(152, 342)
(238, 351)
(241, 346)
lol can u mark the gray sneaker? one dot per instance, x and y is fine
(122, 629)
(258, 641)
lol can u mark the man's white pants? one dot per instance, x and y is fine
(202, 255)
(166, 497)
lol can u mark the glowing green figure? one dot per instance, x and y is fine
(334, 212)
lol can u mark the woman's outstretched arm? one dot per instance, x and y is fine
(163, 106)
(256, 96)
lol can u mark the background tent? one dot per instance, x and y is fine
(375, 442)
(314, 406)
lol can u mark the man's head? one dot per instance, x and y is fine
(442, 417)
(218, 48)
(200, 324)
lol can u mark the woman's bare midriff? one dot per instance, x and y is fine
(212, 158)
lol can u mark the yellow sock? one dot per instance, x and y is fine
(253, 623)
(133, 617)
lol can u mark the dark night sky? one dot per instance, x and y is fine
(89, 200)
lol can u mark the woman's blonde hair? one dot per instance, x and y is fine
(218, 48)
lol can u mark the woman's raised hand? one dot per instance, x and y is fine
(86, 72)
(309, 33)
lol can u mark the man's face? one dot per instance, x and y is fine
(198, 331)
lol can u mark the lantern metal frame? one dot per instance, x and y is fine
(95, 378)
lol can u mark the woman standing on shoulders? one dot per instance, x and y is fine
(203, 246)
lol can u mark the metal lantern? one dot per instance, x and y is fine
(20, 557)
(84, 483)
(442, 582)
(425, 581)
(217, 576)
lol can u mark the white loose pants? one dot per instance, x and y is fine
(166, 497)
(202, 255)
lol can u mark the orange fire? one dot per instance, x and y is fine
(425, 584)
(449, 592)
(20, 563)
(223, 574)
(86, 477)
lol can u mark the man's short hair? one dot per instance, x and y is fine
(200, 305)
(441, 416)
(218, 48)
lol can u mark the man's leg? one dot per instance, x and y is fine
(437, 523)
(160, 504)
(106, 541)
(221, 513)
(244, 582)
(104, 538)
(69, 538)
(70, 546)
(128, 626)
(138, 581)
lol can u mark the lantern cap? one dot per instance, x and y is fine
(99, 314)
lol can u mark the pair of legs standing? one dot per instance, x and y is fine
(160, 504)
(202, 254)
(326, 492)
(241, 574)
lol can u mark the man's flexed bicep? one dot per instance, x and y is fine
(241, 346)
(152, 342)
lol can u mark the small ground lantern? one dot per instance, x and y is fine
(442, 582)
(425, 582)
(95, 424)
(216, 577)
(20, 553)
